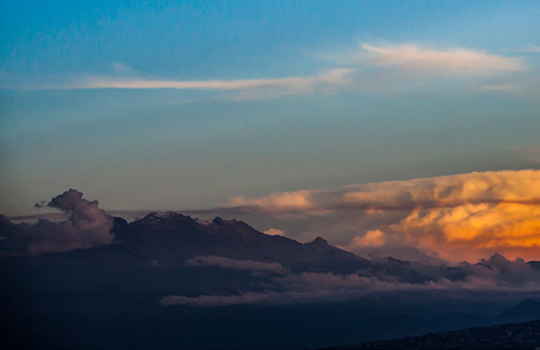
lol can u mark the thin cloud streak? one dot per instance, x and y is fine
(243, 265)
(456, 61)
(381, 68)
(296, 82)
(531, 48)
(305, 84)
(514, 187)
(504, 87)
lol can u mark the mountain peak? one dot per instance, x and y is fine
(159, 219)
(218, 221)
(164, 215)
(319, 241)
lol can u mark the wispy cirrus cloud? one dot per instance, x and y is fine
(326, 82)
(436, 62)
(369, 68)
(334, 76)
(504, 87)
(531, 48)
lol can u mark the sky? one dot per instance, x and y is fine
(195, 105)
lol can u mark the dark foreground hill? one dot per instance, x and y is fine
(513, 336)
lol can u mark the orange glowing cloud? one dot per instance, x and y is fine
(447, 191)
(461, 217)
(464, 231)
(375, 238)
(274, 232)
(285, 202)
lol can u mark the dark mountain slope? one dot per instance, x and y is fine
(171, 238)
(527, 310)
(521, 336)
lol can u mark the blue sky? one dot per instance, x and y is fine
(179, 105)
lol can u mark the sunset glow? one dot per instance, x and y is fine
(460, 217)
(269, 175)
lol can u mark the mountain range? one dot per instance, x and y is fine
(171, 281)
(171, 238)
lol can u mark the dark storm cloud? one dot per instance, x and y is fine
(87, 227)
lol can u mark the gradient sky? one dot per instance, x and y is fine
(184, 105)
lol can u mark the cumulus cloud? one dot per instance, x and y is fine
(87, 227)
(286, 202)
(274, 232)
(493, 274)
(509, 186)
(464, 216)
(245, 265)
(374, 238)
(467, 230)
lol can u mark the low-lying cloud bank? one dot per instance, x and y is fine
(496, 274)
(243, 265)
(466, 216)
(87, 227)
